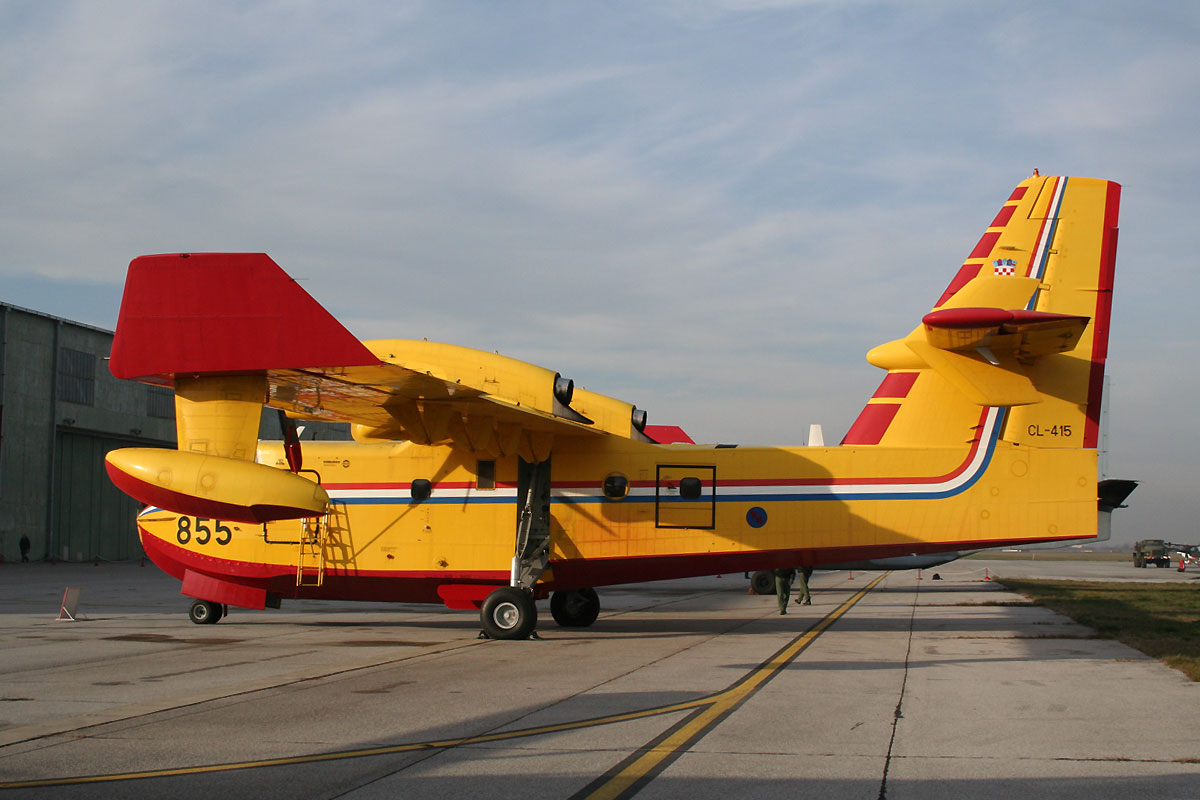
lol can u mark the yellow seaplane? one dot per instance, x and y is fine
(483, 482)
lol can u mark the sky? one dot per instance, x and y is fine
(710, 209)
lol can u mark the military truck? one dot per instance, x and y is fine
(1152, 551)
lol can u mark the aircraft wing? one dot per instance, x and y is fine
(194, 315)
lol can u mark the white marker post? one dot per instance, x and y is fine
(70, 604)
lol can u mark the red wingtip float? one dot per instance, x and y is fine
(480, 481)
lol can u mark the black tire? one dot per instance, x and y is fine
(763, 582)
(575, 608)
(508, 613)
(203, 612)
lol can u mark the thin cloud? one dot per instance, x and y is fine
(712, 210)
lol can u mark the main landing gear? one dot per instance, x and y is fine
(203, 612)
(510, 613)
(575, 608)
(763, 582)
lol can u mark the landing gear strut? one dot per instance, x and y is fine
(575, 608)
(508, 613)
(203, 612)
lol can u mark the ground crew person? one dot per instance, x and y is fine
(803, 597)
(783, 587)
(24, 545)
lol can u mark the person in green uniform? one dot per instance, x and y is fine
(802, 595)
(783, 587)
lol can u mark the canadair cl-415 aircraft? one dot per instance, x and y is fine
(483, 482)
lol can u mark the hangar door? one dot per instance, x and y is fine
(92, 518)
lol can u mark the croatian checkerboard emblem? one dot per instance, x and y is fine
(1004, 266)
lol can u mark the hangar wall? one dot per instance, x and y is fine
(61, 411)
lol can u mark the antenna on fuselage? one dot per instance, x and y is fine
(816, 437)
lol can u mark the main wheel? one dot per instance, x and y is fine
(575, 608)
(763, 582)
(508, 613)
(203, 612)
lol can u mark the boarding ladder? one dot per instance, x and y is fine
(310, 563)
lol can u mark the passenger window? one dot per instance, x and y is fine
(485, 475)
(421, 490)
(616, 486)
(689, 488)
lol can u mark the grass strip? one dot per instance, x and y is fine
(1161, 620)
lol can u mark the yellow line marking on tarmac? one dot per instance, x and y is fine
(707, 712)
(627, 778)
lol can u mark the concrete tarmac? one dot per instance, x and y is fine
(887, 686)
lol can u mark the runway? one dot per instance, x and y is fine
(887, 686)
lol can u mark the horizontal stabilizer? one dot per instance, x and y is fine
(1025, 334)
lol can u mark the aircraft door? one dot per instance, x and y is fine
(685, 496)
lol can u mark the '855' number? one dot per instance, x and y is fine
(203, 534)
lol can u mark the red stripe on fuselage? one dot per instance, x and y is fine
(385, 485)
(869, 481)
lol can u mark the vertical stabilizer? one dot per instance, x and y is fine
(1019, 338)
